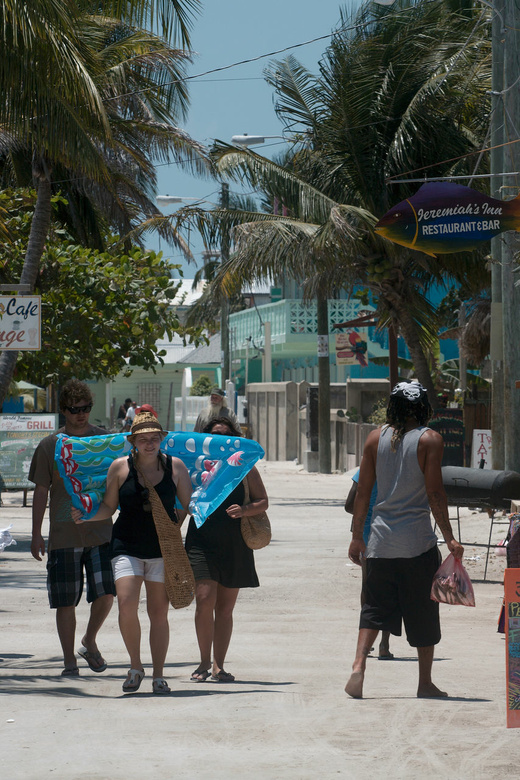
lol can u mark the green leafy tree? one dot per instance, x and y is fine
(102, 312)
(201, 386)
(83, 95)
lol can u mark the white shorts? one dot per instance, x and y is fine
(151, 569)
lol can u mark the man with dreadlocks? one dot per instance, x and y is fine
(405, 458)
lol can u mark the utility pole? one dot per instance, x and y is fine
(497, 137)
(224, 311)
(322, 307)
(511, 245)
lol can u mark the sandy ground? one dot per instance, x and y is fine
(287, 715)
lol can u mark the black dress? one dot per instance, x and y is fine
(134, 530)
(217, 550)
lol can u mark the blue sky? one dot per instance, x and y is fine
(238, 100)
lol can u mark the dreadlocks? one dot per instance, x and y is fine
(408, 399)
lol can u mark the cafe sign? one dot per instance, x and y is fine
(20, 322)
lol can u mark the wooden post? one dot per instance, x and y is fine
(322, 305)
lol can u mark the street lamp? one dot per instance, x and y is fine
(252, 140)
(166, 200)
(324, 449)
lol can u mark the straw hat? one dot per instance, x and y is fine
(146, 422)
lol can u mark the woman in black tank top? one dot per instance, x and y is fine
(136, 553)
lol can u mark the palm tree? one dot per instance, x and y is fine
(398, 90)
(96, 93)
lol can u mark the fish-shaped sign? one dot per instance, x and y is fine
(443, 217)
(216, 465)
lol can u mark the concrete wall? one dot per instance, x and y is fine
(272, 410)
(277, 419)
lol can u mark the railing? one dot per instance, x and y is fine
(290, 320)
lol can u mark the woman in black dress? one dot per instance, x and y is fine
(222, 563)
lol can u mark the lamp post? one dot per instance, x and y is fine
(166, 200)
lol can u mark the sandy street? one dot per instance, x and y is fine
(287, 715)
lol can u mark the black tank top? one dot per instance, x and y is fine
(134, 530)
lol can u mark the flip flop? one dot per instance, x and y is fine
(222, 676)
(200, 676)
(388, 657)
(70, 671)
(160, 686)
(95, 660)
(133, 680)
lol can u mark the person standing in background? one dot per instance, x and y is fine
(217, 408)
(384, 645)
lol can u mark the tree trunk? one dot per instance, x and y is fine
(408, 329)
(39, 231)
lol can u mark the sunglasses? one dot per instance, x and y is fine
(145, 495)
(79, 409)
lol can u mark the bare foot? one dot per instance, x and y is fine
(354, 687)
(430, 691)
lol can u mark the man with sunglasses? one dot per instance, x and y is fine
(72, 549)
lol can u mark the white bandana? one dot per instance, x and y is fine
(412, 391)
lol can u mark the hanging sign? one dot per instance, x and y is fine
(20, 322)
(351, 349)
(443, 217)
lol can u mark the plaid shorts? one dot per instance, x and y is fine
(65, 575)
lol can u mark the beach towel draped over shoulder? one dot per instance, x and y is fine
(216, 465)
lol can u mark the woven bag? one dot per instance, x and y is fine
(178, 574)
(256, 529)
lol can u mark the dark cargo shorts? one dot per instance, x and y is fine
(65, 575)
(399, 588)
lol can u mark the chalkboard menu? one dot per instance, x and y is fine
(450, 424)
(19, 437)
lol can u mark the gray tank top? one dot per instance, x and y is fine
(401, 524)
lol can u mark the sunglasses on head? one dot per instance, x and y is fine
(79, 409)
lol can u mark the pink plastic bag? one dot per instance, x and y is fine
(451, 584)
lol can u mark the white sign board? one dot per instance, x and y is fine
(20, 434)
(20, 322)
(481, 449)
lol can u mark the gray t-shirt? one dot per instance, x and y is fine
(401, 524)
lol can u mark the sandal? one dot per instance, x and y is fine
(159, 685)
(133, 680)
(95, 660)
(70, 671)
(200, 676)
(222, 676)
